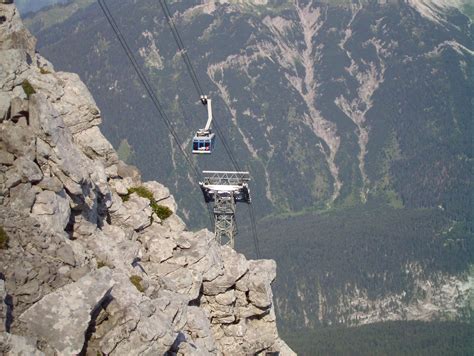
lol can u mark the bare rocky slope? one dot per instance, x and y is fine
(85, 266)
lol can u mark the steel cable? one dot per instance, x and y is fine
(198, 87)
(148, 88)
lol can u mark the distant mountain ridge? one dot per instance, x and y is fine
(26, 6)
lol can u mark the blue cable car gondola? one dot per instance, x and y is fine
(204, 143)
(204, 140)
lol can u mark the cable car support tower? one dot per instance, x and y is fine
(225, 189)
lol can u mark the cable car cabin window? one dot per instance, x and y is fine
(203, 144)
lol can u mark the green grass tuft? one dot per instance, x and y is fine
(163, 212)
(28, 88)
(3, 239)
(137, 282)
(125, 197)
(44, 71)
(141, 191)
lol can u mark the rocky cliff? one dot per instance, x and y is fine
(93, 260)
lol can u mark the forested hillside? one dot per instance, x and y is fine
(354, 119)
(391, 338)
(366, 264)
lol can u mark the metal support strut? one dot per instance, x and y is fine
(225, 189)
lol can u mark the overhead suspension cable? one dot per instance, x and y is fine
(198, 87)
(148, 88)
(192, 74)
(181, 47)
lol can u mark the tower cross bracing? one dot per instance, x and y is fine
(225, 189)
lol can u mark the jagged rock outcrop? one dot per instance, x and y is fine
(88, 267)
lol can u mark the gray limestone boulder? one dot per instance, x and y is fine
(194, 246)
(11, 178)
(3, 306)
(48, 85)
(44, 64)
(18, 90)
(45, 120)
(174, 223)
(95, 146)
(62, 318)
(22, 196)
(99, 179)
(235, 266)
(184, 281)
(260, 276)
(67, 158)
(77, 106)
(6, 158)
(51, 183)
(13, 34)
(52, 209)
(134, 213)
(17, 140)
(112, 247)
(199, 327)
(160, 249)
(28, 170)
(13, 69)
(11, 344)
(65, 253)
(127, 171)
(261, 334)
(226, 298)
(118, 186)
(5, 99)
(137, 325)
(19, 108)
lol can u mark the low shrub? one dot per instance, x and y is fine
(161, 211)
(44, 71)
(137, 282)
(3, 239)
(141, 191)
(28, 88)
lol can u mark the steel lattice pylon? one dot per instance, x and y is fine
(225, 189)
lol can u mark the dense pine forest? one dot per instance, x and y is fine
(390, 338)
(376, 248)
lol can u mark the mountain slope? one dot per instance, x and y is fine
(26, 6)
(357, 266)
